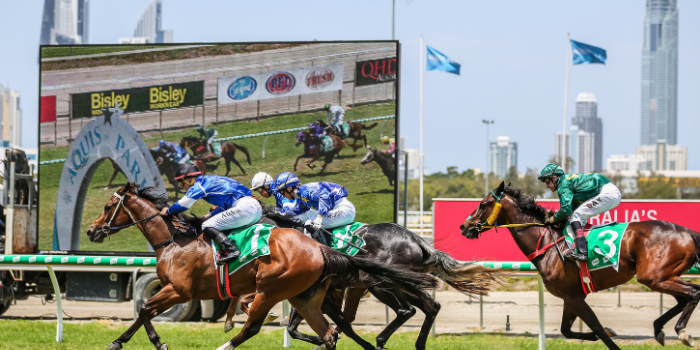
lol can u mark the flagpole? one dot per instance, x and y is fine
(420, 153)
(566, 100)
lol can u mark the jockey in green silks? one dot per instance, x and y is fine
(581, 196)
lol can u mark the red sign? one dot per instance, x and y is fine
(500, 246)
(48, 109)
(280, 83)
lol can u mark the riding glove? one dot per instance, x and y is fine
(317, 222)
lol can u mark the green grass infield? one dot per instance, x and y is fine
(368, 188)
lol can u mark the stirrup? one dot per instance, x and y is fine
(577, 256)
(228, 257)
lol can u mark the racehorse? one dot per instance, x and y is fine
(313, 149)
(393, 244)
(297, 269)
(355, 130)
(228, 151)
(385, 161)
(658, 252)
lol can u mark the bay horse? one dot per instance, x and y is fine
(392, 244)
(386, 163)
(228, 151)
(313, 149)
(658, 252)
(297, 269)
(355, 130)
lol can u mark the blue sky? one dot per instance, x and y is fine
(512, 55)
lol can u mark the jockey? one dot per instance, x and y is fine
(208, 134)
(265, 186)
(334, 116)
(334, 208)
(316, 131)
(236, 206)
(392, 145)
(180, 156)
(581, 196)
(165, 146)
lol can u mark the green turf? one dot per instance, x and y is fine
(368, 187)
(66, 51)
(22, 335)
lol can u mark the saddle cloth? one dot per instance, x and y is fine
(326, 144)
(217, 148)
(344, 130)
(344, 237)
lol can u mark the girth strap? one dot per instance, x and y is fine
(539, 251)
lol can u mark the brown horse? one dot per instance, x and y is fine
(297, 269)
(658, 252)
(355, 130)
(385, 161)
(313, 149)
(228, 151)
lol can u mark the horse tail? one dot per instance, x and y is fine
(466, 277)
(369, 127)
(245, 151)
(345, 270)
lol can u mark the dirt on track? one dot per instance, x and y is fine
(458, 314)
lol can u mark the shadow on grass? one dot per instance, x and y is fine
(386, 190)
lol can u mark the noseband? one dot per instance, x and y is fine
(106, 228)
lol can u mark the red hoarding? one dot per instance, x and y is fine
(48, 109)
(498, 245)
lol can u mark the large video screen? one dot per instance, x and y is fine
(106, 110)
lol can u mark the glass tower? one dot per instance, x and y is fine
(660, 73)
(587, 120)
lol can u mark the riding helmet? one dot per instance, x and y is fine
(286, 179)
(161, 143)
(187, 170)
(261, 179)
(327, 106)
(549, 170)
(385, 139)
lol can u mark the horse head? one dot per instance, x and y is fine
(114, 214)
(302, 136)
(369, 156)
(485, 214)
(321, 123)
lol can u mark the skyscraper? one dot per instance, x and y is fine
(65, 22)
(504, 154)
(149, 27)
(10, 119)
(587, 120)
(660, 73)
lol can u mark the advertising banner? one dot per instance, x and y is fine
(48, 109)
(376, 71)
(142, 99)
(500, 246)
(291, 82)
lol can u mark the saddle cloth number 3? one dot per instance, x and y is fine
(610, 242)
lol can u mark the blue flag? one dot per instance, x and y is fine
(585, 54)
(439, 61)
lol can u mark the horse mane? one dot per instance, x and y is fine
(153, 195)
(526, 203)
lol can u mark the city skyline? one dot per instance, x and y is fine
(65, 22)
(587, 121)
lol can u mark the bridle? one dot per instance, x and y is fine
(489, 223)
(106, 228)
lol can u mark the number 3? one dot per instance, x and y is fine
(610, 242)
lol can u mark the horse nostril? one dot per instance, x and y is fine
(461, 227)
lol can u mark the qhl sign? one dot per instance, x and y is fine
(376, 71)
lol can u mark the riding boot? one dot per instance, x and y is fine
(227, 250)
(581, 243)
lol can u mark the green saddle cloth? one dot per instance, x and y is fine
(340, 236)
(603, 245)
(252, 241)
(217, 148)
(344, 130)
(326, 144)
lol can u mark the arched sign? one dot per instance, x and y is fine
(108, 136)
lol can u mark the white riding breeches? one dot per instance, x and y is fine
(342, 214)
(608, 198)
(210, 140)
(245, 211)
(184, 159)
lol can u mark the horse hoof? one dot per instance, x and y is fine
(106, 189)
(228, 327)
(270, 317)
(685, 338)
(226, 346)
(114, 346)
(611, 333)
(163, 347)
(285, 322)
(661, 338)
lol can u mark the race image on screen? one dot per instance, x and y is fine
(119, 114)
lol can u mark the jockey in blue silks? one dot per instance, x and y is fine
(236, 206)
(174, 151)
(266, 187)
(334, 208)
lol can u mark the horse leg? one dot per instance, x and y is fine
(228, 166)
(310, 310)
(430, 308)
(159, 303)
(235, 161)
(352, 302)
(336, 314)
(294, 321)
(404, 311)
(114, 175)
(230, 312)
(660, 322)
(584, 311)
(567, 320)
(258, 311)
(297, 161)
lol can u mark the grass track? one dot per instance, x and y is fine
(23, 335)
(368, 187)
